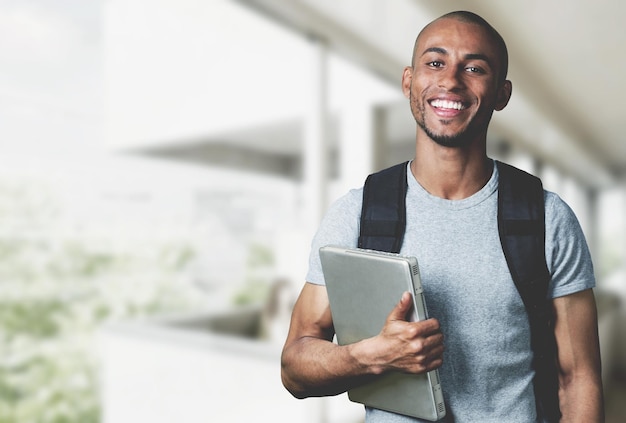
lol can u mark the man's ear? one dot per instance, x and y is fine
(504, 95)
(407, 76)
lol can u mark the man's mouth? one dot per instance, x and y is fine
(447, 104)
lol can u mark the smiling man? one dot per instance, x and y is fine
(491, 360)
(461, 78)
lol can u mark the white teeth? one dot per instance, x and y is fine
(445, 104)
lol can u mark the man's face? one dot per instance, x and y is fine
(453, 86)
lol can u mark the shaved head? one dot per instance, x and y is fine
(474, 19)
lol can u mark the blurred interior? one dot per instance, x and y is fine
(165, 165)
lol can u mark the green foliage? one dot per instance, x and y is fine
(256, 288)
(259, 256)
(253, 292)
(48, 383)
(34, 318)
(58, 284)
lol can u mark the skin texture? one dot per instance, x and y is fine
(580, 381)
(456, 63)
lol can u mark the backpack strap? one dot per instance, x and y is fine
(383, 214)
(521, 224)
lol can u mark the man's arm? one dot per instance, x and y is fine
(312, 365)
(580, 380)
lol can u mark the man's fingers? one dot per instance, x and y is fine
(430, 327)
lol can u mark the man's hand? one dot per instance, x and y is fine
(312, 365)
(412, 347)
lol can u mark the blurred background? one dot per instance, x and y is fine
(164, 165)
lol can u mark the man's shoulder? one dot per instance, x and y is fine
(346, 206)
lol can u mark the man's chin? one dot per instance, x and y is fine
(448, 134)
(451, 142)
(456, 140)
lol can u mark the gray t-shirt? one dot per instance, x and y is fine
(487, 372)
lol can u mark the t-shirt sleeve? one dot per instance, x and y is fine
(567, 253)
(340, 226)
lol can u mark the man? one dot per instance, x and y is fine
(456, 80)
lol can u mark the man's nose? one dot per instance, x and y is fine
(450, 78)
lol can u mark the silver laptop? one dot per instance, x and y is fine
(363, 287)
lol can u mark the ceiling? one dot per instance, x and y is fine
(565, 63)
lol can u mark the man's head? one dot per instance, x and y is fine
(472, 18)
(457, 78)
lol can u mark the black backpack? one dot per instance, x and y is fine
(521, 225)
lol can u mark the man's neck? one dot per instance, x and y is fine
(451, 173)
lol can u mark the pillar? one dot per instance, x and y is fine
(315, 156)
(361, 143)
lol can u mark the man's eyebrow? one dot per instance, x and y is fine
(439, 50)
(478, 56)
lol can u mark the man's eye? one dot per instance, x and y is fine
(435, 64)
(473, 69)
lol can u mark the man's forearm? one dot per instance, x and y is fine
(581, 399)
(313, 367)
(580, 378)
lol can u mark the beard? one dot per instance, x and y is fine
(460, 139)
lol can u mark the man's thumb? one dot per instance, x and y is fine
(401, 309)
